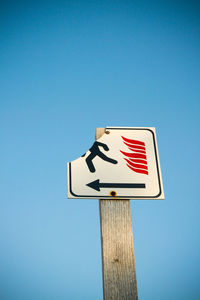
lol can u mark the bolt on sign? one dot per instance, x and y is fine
(122, 164)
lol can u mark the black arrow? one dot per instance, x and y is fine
(96, 185)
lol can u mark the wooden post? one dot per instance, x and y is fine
(118, 261)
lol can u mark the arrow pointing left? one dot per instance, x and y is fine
(96, 185)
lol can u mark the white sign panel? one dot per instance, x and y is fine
(122, 164)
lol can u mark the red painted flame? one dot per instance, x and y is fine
(137, 160)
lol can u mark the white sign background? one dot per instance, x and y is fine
(79, 174)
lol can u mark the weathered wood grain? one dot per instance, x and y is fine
(118, 261)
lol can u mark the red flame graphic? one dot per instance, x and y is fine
(137, 160)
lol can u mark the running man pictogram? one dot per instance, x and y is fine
(95, 151)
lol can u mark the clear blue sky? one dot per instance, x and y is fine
(66, 68)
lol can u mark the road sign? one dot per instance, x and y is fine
(122, 164)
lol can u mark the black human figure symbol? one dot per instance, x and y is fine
(96, 152)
